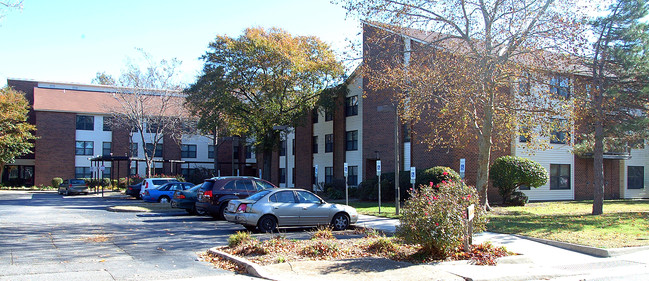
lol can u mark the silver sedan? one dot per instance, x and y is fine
(272, 208)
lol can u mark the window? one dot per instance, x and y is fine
(314, 116)
(283, 197)
(329, 143)
(248, 152)
(84, 148)
(635, 177)
(558, 135)
(152, 127)
(106, 148)
(308, 197)
(134, 150)
(523, 187)
(85, 122)
(82, 172)
(329, 175)
(188, 151)
(106, 172)
(293, 150)
(188, 172)
(149, 149)
(293, 175)
(524, 134)
(351, 106)
(282, 175)
(108, 122)
(560, 86)
(282, 148)
(315, 144)
(352, 175)
(406, 133)
(314, 179)
(329, 115)
(210, 151)
(235, 150)
(351, 141)
(559, 176)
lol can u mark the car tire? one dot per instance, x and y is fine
(221, 214)
(67, 192)
(340, 221)
(164, 200)
(267, 224)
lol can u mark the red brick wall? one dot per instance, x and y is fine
(304, 156)
(339, 132)
(54, 149)
(26, 87)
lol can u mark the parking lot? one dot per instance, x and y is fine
(46, 236)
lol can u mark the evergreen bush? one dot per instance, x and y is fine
(509, 173)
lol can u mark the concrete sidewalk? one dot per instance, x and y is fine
(536, 260)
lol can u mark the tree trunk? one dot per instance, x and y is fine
(267, 158)
(484, 156)
(2, 171)
(598, 167)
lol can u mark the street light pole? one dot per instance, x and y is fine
(397, 196)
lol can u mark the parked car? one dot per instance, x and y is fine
(272, 208)
(164, 192)
(154, 182)
(134, 190)
(215, 193)
(186, 199)
(73, 186)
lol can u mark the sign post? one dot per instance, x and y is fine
(315, 172)
(462, 167)
(413, 177)
(378, 173)
(346, 186)
(468, 240)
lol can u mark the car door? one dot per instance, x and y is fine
(245, 188)
(285, 207)
(312, 209)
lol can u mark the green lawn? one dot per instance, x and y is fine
(372, 209)
(625, 223)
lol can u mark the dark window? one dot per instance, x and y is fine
(84, 148)
(248, 152)
(524, 134)
(282, 175)
(282, 148)
(210, 151)
(635, 177)
(283, 197)
(85, 122)
(329, 175)
(406, 133)
(560, 86)
(351, 106)
(188, 172)
(106, 172)
(108, 123)
(314, 177)
(293, 175)
(188, 151)
(315, 144)
(558, 135)
(157, 171)
(152, 127)
(246, 185)
(235, 150)
(352, 175)
(106, 148)
(314, 116)
(134, 149)
(329, 143)
(82, 172)
(559, 176)
(351, 141)
(329, 115)
(149, 150)
(293, 149)
(229, 186)
(523, 187)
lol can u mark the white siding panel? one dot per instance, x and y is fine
(639, 157)
(406, 156)
(558, 154)
(355, 123)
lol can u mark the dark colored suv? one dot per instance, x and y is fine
(215, 193)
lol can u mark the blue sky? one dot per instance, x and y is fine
(70, 41)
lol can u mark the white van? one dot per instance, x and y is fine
(154, 183)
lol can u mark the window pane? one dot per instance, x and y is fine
(315, 144)
(559, 176)
(108, 121)
(85, 122)
(635, 177)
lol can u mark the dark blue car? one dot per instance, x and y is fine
(164, 192)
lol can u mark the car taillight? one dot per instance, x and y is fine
(180, 196)
(242, 208)
(70, 185)
(208, 193)
(146, 192)
(130, 188)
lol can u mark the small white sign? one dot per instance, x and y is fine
(346, 169)
(462, 165)
(378, 167)
(316, 171)
(413, 175)
(470, 212)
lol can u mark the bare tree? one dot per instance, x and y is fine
(9, 5)
(150, 103)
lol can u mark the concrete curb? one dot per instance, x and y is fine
(593, 251)
(250, 267)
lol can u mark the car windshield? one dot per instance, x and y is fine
(77, 182)
(160, 182)
(258, 195)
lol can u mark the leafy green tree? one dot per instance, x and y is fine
(15, 132)
(616, 100)
(263, 79)
(508, 173)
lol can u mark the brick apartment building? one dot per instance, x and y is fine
(72, 129)
(362, 130)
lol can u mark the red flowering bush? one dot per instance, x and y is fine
(434, 217)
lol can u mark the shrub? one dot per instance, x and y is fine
(321, 249)
(434, 217)
(56, 182)
(240, 237)
(508, 173)
(368, 190)
(383, 245)
(323, 232)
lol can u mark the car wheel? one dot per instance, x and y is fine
(340, 222)
(221, 214)
(164, 199)
(67, 192)
(267, 223)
